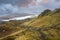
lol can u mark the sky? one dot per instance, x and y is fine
(27, 6)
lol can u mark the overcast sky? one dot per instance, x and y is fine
(27, 6)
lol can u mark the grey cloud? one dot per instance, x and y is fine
(57, 0)
(52, 5)
(6, 9)
(14, 2)
(14, 6)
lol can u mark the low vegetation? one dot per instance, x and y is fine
(45, 27)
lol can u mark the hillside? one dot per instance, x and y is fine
(45, 27)
(46, 20)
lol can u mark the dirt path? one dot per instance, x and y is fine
(12, 34)
(36, 29)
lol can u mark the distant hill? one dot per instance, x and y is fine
(14, 15)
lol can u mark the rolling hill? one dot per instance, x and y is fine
(53, 17)
(45, 27)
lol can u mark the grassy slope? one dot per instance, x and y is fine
(44, 21)
(48, 28)
(10, 28)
